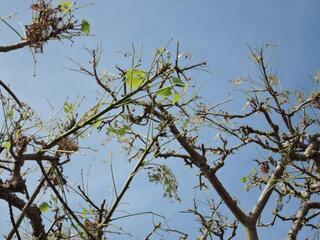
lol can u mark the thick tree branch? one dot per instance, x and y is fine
(26, 207)
(8, 48)
(200, 162)
(300, 217)
(268, 189)
(33, 213)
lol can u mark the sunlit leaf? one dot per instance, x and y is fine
(65, 6)
(85, 27)
(160, 51)
(134, 78)
(6, 145)
(175, 98)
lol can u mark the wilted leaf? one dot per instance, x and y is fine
(273, 80)
(236, 81)
(284, 97)
(185, 54)
(163, 175)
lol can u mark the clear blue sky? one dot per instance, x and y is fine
(217, 31)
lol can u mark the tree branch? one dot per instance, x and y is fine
(300, 217)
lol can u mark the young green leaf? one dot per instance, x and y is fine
(243, 179)
(160, 51)
(165, 91)
(65, 6)
(44, 207)
(134, 78)
(84, 213)
(175, 98)
(6, 145)
(85, 27)
(68, 107)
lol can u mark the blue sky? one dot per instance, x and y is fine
(216, 31)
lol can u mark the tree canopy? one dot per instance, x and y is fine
(152, 113)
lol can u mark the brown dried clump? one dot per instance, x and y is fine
(48, 23)
(264, 168)
(67, 146)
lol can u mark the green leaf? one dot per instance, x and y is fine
(44, 207)
(85, 27)
(120, 132)
(177, 82)
(243, 179)
(6, 145)
(84, 213)
(65, 6)
(175, 98)
(165, 91)
(160, 51)
(134, 78)
(68, 107)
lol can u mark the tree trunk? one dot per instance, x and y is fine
(251, 232)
